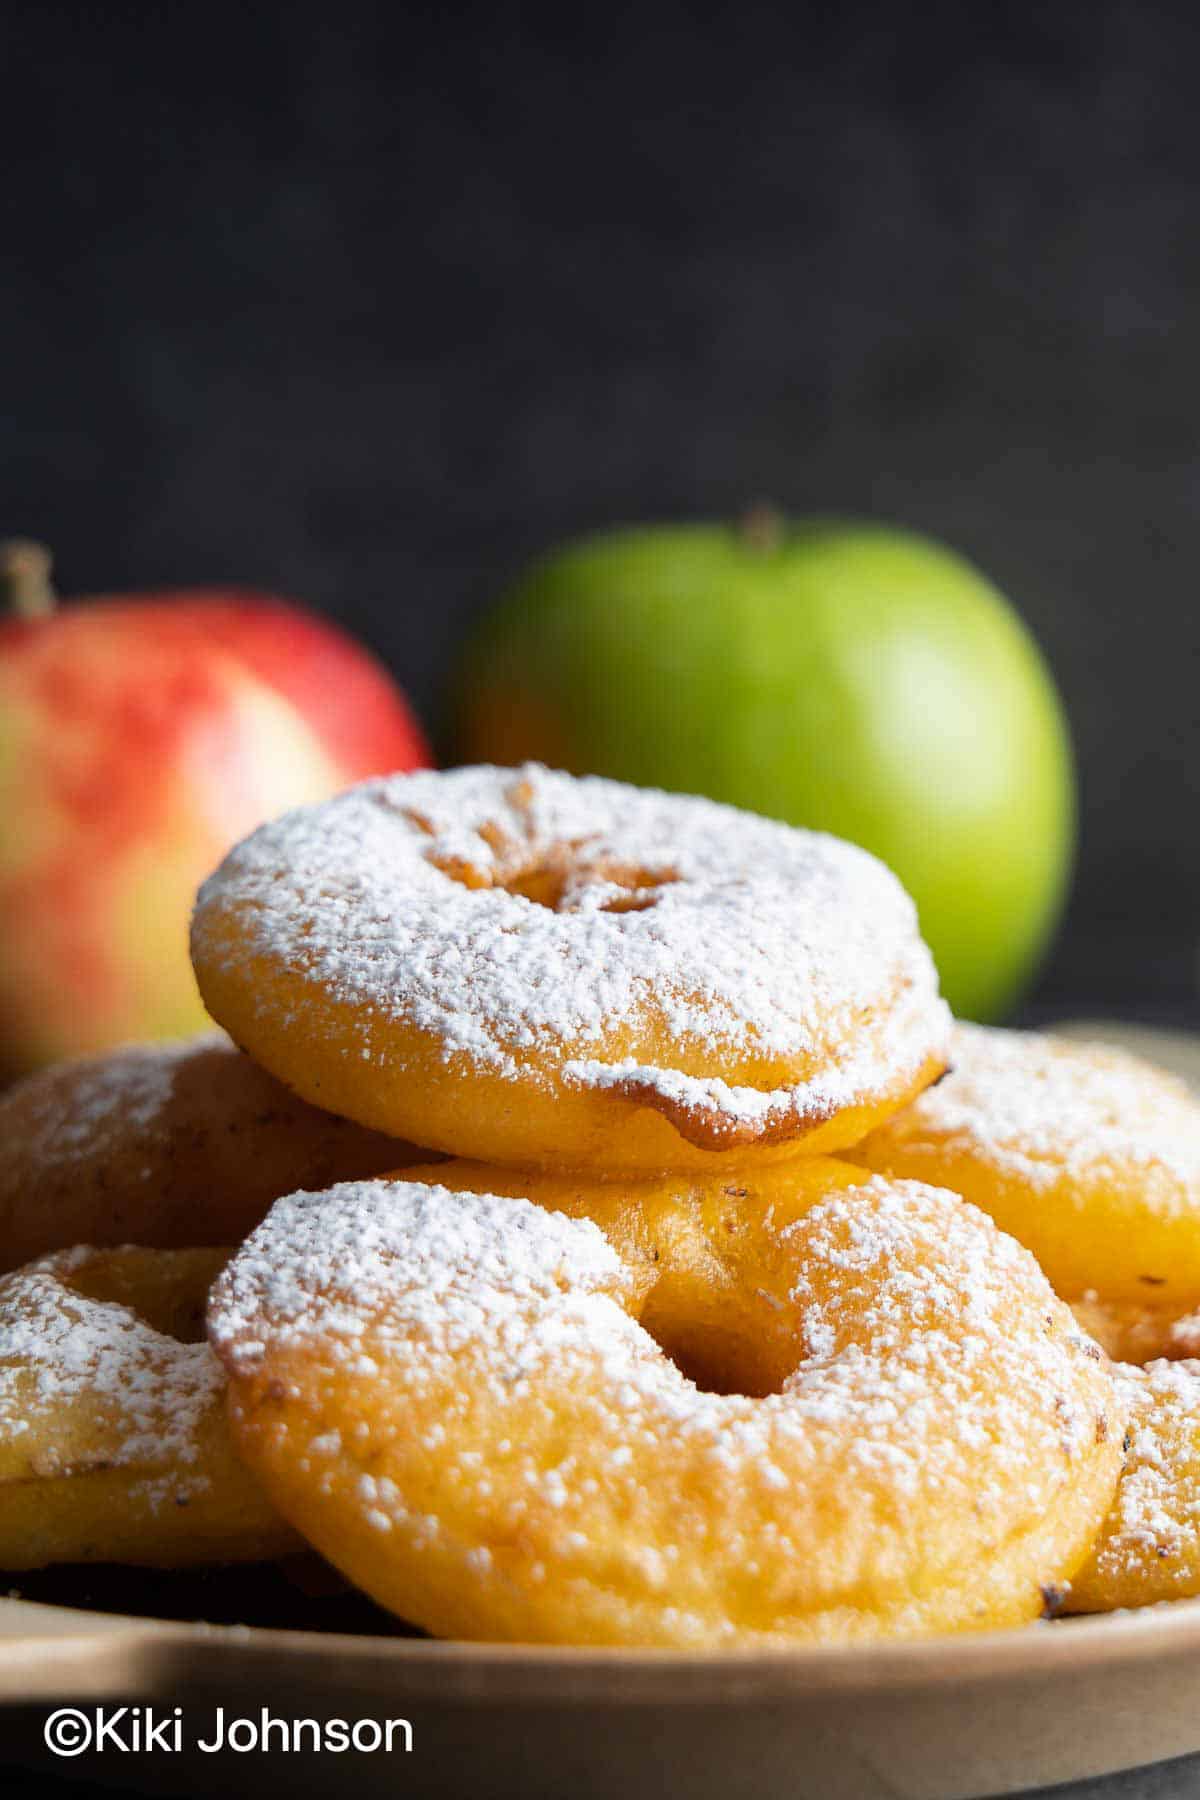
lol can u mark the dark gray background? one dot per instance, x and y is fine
(364, 304)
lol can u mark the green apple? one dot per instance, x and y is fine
(851, 677)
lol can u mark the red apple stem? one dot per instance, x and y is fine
(25, 587)
(762, 527)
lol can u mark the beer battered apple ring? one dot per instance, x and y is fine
(539, 970)
(1149, 1547)
(1090, 1156)
(480, 1410)
(169, 1145)
(114, 1444)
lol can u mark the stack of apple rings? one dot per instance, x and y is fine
(727, 1319)
(122, 1177)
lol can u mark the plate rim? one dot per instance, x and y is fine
(511, 1671)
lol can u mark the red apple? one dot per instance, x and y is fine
(140, 736)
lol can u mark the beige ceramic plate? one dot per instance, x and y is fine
(956, 1717)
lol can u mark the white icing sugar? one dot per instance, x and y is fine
(719, 933)
(1037, 1104)
(925, 1355)
(325, 1264)
(113, 1097)
(98, 1378)
(1157, 1508)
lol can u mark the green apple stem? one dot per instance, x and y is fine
(762, 528)
(25, 587)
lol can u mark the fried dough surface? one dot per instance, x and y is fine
(167, 1146)
(1130, 1333)
(1086, 1154)
(114, 1444)
(1149, 1547)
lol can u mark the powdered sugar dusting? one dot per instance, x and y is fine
(87, 1382)
(1155, 1521)
(505, 912)
(326, 1266)
(1037, 1105)
(114, 1097)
